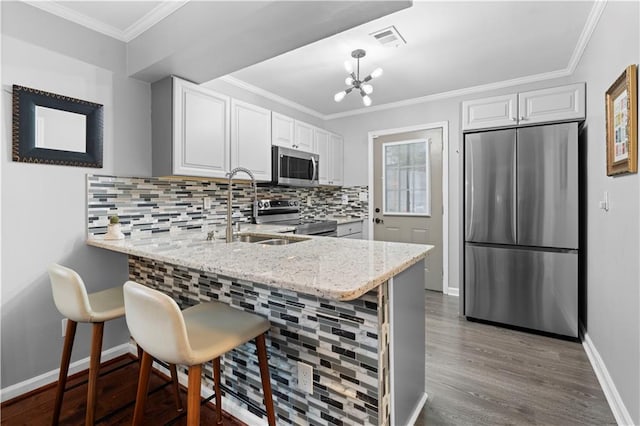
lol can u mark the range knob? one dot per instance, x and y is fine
(266, 204)
(295, 203)
(260, 204)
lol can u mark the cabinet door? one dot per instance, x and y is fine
(498, 111)
(282, 130)
(200, 131)
(322, 147)
(304, 137)
(554, 104)
(336, 168)
(251, 139)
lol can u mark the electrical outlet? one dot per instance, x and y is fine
(309, 203)
(305, 377)
(206, 203)
(345, 199)
(64, 327)
(362, 196)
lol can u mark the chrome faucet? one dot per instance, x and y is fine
(230, 175)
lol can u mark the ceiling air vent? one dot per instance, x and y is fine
(389, 37)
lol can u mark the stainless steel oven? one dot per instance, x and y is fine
(291, 167)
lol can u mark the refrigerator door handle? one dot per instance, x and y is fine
(514, 201)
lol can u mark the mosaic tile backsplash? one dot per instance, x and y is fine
(159, 204)
(343, 342)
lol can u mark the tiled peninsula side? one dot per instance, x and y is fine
(346, 343)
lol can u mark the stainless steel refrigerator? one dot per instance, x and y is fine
(521, 227)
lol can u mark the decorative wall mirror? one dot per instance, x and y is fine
(56, 129)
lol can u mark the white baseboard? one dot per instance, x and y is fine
(620, 412)
(453, 291)
(416, 411)
(28, 385)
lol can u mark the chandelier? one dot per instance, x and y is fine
(354, 82)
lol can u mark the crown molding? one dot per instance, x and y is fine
(585, 36)
(134, 30)
(270, 95)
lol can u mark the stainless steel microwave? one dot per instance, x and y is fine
(291, 167)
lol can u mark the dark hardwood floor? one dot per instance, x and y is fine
(479, 374)
(116, 398)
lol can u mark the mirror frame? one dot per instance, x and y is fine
(24, 147)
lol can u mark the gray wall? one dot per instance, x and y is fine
(44, 206)
(613, 249)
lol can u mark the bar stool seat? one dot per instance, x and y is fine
(72, 300)
(198, 334)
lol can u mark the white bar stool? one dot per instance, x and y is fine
(191, 337)
(72, 300)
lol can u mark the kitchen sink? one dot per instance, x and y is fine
(268, 240)
(251, 238)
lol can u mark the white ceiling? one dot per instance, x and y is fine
(451, 46)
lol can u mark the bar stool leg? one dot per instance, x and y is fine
(176, 386)
(264, 376)
(216, 388)
(70, 335)
(193, 395)
(94, 368)
(143, 388)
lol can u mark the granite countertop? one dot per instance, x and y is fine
(332, 268)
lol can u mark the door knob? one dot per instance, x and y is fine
(377, 210)
(378, 220)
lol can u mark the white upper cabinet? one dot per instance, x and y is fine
(336, 151)
(251, 138)
(330, 149)
(200, 131)
(553, 104)
(282, 133)
(537, 106)
(497, 111)
(322, 147)
(303, 139)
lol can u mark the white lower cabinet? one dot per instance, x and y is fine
(351, 230)
(251, 139)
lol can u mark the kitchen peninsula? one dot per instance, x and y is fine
(353, 310)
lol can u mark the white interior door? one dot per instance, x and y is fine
(407, 194)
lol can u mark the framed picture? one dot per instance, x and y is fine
(55, 129)
(622, 123)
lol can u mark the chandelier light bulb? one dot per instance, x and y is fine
(376, 73)
(348, 81)
(366, 100)
(367, 88)
(339, 96)
(348, 66)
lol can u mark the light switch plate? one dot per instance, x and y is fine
(345, 199)
(206, 203)
(363, 196)
(305, 377)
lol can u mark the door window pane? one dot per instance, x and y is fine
(406, 179)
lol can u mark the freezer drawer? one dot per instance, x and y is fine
(490, 187)
(548, 186)
(526, 288)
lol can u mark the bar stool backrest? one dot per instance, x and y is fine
(69, 293)
(156, 323)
